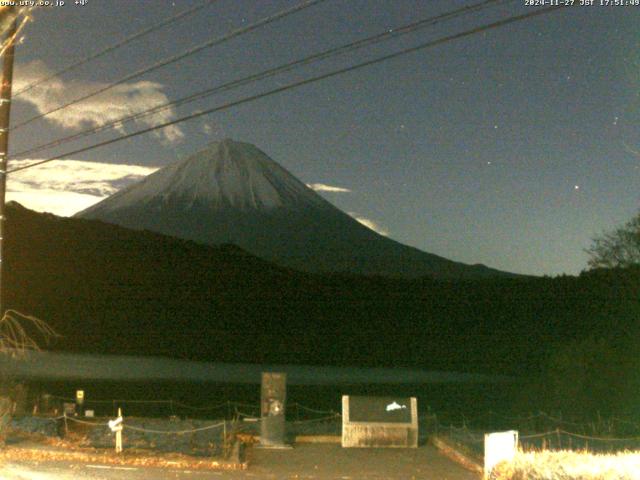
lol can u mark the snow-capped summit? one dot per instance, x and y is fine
(232, 192)
(225, 175)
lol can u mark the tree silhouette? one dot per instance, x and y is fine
(617, 249)
(18, 336)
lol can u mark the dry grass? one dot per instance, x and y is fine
(34, 447)
(570, 465)
(138, 458)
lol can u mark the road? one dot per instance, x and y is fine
(70, 471)
(313, 462)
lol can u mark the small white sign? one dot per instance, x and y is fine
(499, 447)
(89, 413)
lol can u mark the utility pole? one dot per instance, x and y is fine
(5, 110)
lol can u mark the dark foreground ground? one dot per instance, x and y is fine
(322, 462)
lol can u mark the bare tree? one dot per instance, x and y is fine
(619, 248)
(19, 334)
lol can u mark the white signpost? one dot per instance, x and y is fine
(116, 427)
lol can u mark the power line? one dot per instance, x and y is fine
(115, 46)
(371, 40)
(175, 58)
(300, 83)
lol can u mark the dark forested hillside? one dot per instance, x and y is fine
(113, 290)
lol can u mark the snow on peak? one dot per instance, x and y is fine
(226, 174)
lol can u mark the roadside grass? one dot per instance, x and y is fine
(131, 457)
(33, 447)
(569, 465)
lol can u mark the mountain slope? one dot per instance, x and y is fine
(232, 192)
(108, 289)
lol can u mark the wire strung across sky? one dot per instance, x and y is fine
(387, 35)
(192, 51)
(300, 83)
(115, 46)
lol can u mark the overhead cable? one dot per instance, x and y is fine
(388, 34)
(163, 63)
(115, 46)
(423, 46)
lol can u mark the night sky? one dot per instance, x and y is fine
(512, 147)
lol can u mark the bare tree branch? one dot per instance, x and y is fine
(20, 333)
(620, 248)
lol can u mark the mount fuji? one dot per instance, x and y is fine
(232, 192)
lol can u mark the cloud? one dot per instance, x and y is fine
(65, 187)
(321, 187)
(370, 224)
(120, 101)
(367, 222)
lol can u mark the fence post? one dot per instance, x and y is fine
(116, 426)
(224, 436)
(559, 440)
(66, 427)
